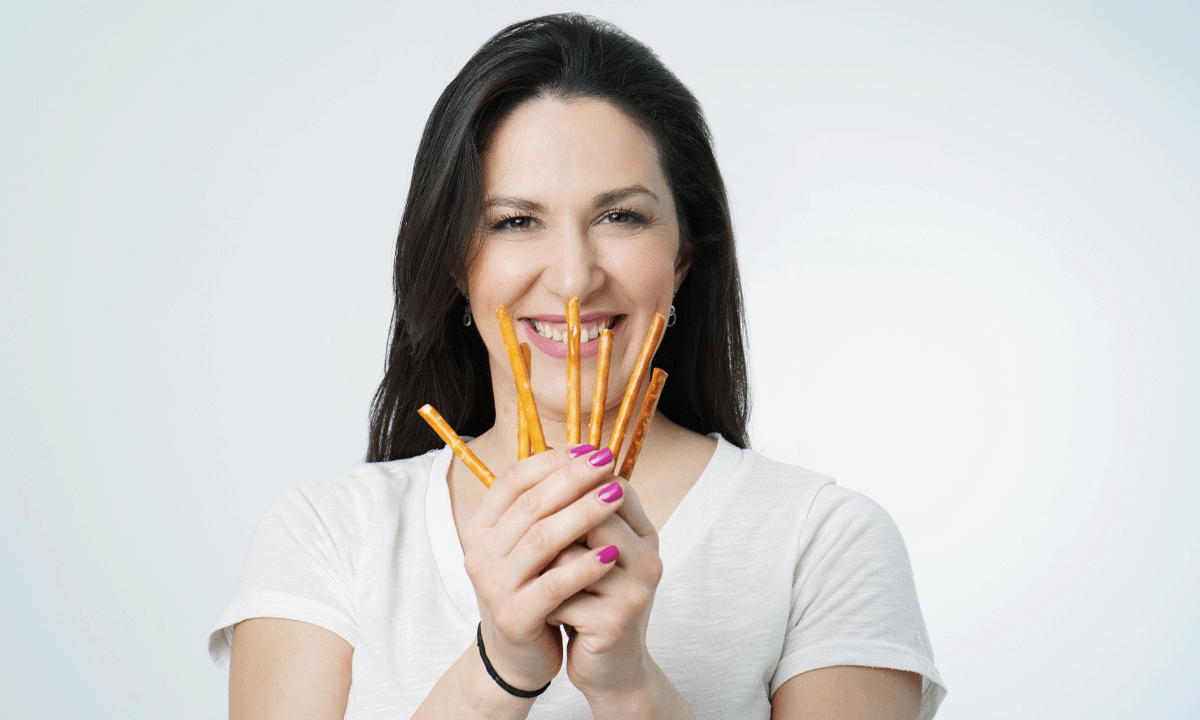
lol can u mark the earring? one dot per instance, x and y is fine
(671, 318)
(467, 319)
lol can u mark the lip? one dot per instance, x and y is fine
(557, 349)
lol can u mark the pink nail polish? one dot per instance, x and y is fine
(580, 450)
(608, 554)
(611, 492)
(601, 457)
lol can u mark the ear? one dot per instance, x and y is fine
(682, 262)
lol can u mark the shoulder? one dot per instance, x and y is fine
(342, 509)
(815, 513)
(750, 477)
(362, 488)
(315, 543)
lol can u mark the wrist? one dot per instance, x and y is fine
(482, 697)
(628, 694)
(651, 696)
(491, 671)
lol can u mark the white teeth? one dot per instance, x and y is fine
(550, 331)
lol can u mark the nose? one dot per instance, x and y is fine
(573, 268)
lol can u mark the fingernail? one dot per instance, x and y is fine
(601, 457)
(611, 492)
(580, 450)
(608, 554)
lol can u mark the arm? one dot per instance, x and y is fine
(282, 668)
(854, 596)
(287, 669)
(848, 692)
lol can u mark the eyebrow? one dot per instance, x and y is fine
(615, 196)
(603, 199)
(516, 203)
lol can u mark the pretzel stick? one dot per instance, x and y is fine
(524, 392)
(522, 422)
(635, 383)
(600, 397)
(470, 459)
(573, 392)
(657, 379)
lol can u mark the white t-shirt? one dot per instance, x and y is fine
(768, 571)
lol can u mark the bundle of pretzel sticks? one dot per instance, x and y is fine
(530, 438)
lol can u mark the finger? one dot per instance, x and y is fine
(631, 512)
(606, 610)
(577, 609)
(639, 553)
(615, 531)
(514, 480)
(544, 539)
(557, 491)
(558, 583)
(568, 555)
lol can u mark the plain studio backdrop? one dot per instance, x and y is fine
(970, 239)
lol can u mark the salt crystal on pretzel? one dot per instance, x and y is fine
(653, 337)
(573, 391)
(600, 397)
(657, 379)
(464, 453)
(524, 392)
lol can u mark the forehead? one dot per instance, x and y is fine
(554, 147)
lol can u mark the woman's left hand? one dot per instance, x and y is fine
(607, 658)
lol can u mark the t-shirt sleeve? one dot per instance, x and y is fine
(854, 601)
(301, 564)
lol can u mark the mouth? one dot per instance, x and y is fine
(589, 328)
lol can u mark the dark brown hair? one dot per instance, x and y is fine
(432, 357)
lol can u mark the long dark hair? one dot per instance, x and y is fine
(432, 357)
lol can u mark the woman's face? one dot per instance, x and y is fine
(576, 205)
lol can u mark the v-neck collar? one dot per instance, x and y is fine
(691, 520)
(700, 508)
(443, 538)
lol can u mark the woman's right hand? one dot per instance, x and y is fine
(536, 508)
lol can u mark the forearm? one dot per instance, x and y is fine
(467, 691)
(655, 699)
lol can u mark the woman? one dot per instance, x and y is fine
(566, 161)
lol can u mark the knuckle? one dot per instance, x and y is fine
(552, 586)
(539, 538)
(506, 624)
(610, 628)
(586, 514)
(581, 473)
(507, 476)
(639, 599)
(477, 560)
(530, 502)
(654, 568)
(473, 565)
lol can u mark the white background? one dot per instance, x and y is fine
(970, 238)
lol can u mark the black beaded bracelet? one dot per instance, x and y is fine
(496, 676)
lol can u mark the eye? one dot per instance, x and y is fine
(513, 222)
(623, 217)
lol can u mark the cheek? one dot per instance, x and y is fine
(500, 270)
(652, 269)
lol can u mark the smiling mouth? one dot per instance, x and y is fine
(558, 331)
